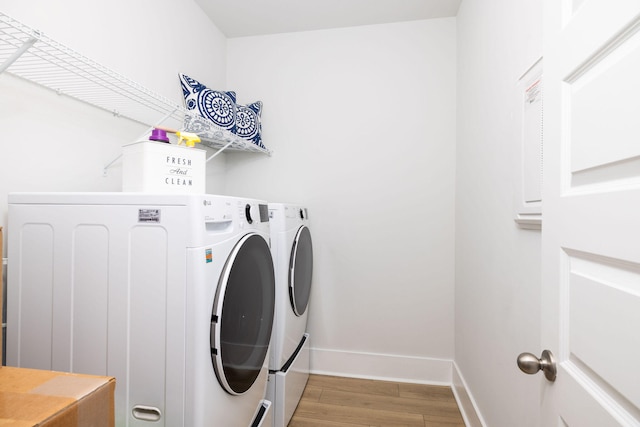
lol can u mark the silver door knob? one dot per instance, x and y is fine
(530, 364)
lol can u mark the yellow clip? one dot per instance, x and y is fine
(189, 138)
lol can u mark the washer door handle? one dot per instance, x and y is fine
(146, 413)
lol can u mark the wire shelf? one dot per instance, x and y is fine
(29, 54)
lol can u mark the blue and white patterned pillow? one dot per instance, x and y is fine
(248, 123)
(219, 107)
(222, 110)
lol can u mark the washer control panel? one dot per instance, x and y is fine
(256, 212)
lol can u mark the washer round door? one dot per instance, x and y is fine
(300, 271)
(242, 316)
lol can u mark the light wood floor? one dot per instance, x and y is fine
(347, 402)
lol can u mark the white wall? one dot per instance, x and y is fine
(497, 264)
(362, 125)
(51, 143)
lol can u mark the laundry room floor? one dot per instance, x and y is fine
(348, 402)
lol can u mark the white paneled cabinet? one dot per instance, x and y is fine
(528, 209)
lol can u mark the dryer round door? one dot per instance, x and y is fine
(300, 271)
(242, 315)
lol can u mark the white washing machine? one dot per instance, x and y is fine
(292, 252)
(173, 295)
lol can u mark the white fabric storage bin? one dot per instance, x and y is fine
(158, 167)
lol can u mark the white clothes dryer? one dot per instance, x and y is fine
(173, 295)
(292, 252)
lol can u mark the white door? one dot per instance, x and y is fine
(591, 210)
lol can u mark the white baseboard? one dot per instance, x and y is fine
(420, 370)
(466, 403)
